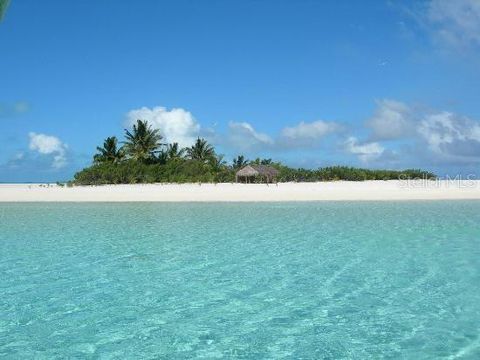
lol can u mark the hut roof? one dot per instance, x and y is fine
(255, 170)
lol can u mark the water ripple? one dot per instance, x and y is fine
(312, 280)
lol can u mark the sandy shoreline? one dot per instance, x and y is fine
(339, 190)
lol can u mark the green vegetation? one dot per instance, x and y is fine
(143, 143)
(201, 151)
(334, 173)
(144, 159)
(109, 153)
(239, 162)
(3, 8)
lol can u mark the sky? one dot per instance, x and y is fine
(377, 84)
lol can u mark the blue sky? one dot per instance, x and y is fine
(380, 84)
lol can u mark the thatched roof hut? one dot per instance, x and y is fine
(262, 172)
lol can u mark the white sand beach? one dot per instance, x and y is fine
(338, 190)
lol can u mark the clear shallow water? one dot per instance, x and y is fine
(288, 280)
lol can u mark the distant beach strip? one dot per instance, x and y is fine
(393, 190)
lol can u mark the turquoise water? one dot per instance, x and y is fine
(252, 281)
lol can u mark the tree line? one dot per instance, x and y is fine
(143, 158)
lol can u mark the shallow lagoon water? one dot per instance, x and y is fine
(323, 280)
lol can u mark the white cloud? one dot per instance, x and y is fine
(179, 125)
(390, 121)
(442, 136)
(450, 136)
(446, 137)
(49, 145)
(308, 134)
(176, 125)
(365, 151)
(455, 22)
(242, 136)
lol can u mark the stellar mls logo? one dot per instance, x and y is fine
(458, 181)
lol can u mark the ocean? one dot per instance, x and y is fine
(320, 280)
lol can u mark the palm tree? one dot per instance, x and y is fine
(109, 153)
(201, 151)
(143, 142)
(259, 161)
(161, 158)
(174, 152)
(239, 162)
(217, 162)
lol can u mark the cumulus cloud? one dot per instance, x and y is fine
(179, 125)
(49, 145)
(392, 120)
(442, 136)
(455, 22)
(308, 134)
(176, 125)
(242, 136)
(366, 151)
(451, 137)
